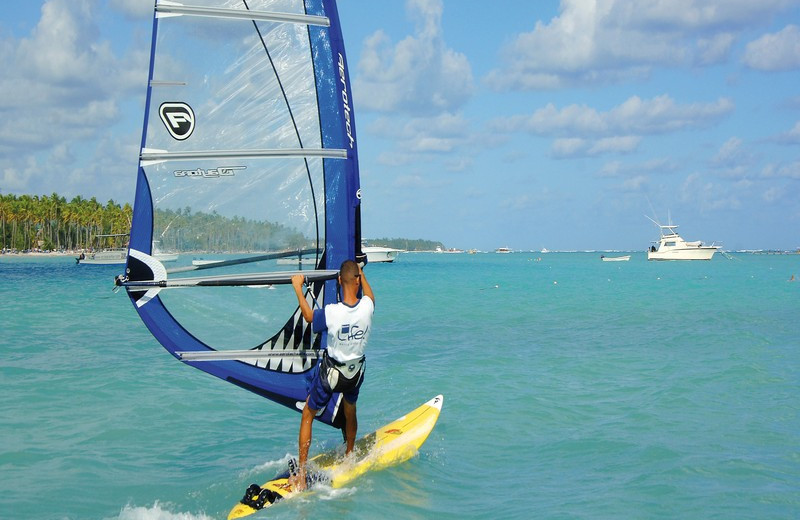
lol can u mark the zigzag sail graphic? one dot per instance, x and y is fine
(248, 156)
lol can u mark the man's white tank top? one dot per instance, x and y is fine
(348, 328)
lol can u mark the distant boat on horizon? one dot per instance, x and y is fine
(451, 250)
(106, 255)
(671, 246)
(378, 254)
(204, 262)
(623, 258)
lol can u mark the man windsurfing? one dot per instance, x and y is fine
(342, 367)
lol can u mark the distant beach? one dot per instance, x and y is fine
(42, 253)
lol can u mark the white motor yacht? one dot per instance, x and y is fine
(377, 254)
(671, 246)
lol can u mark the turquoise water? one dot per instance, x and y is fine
(574, 388)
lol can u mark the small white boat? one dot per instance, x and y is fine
(106, 255)
(623, 258)
(671, 246)
(118, 255)
(205, 262)
(377, 254)
(163, 256)
(109, 256)
(502, 250)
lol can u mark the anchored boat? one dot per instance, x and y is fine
(671, 246)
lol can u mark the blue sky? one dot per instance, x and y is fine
(554, 124)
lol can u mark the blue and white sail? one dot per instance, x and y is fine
(248, 156)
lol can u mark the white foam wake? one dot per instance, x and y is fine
(158, 512)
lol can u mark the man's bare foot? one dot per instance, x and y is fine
(298, 480)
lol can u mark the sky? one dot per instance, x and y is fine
(522, 124)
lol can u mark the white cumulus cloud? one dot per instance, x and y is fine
(418, 75)
(657, 115)
(593, 42)
(63, 88)
(776, 51)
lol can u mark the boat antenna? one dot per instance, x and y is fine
(655, 216)
(653, 221)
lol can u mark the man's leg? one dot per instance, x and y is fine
(351, 424)
(298, 482)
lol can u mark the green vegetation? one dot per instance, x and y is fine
(52, 223)
(406, 244)
(182, 230)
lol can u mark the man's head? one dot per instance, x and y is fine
(348, 273)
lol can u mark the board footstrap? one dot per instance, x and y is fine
(257, 497)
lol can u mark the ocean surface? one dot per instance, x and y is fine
(574, 389)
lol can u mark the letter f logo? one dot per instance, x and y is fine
(178, 118)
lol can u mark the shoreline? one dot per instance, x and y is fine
(40, 254)
(75, 254)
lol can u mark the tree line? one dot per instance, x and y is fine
(181, 230)
(406, 244)
(50, 222)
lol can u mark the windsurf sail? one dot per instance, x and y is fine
(248, 156)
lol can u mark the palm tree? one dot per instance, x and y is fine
(55, 218)
(5, 207)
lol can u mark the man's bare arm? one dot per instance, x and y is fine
(365, 287)
(305, 308)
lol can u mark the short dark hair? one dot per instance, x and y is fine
(348, 271)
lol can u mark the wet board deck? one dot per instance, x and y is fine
(389, 445)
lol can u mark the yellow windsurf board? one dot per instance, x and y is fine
(392, 444)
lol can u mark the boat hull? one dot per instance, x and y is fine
(695, 253)
(616, 258)
(380, 254)
(107, 257)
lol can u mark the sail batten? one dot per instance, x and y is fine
(235, 280)
(240, 355)
(172, 9)
(164, 156)
(166, 83)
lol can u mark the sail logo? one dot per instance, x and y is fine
(348, 122)
(178, 118)
(211, 173)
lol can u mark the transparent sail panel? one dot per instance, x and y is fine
(239, 97)
(241, 206)
(249, 315)
(222, 85)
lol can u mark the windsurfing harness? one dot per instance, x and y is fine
(341, 377)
